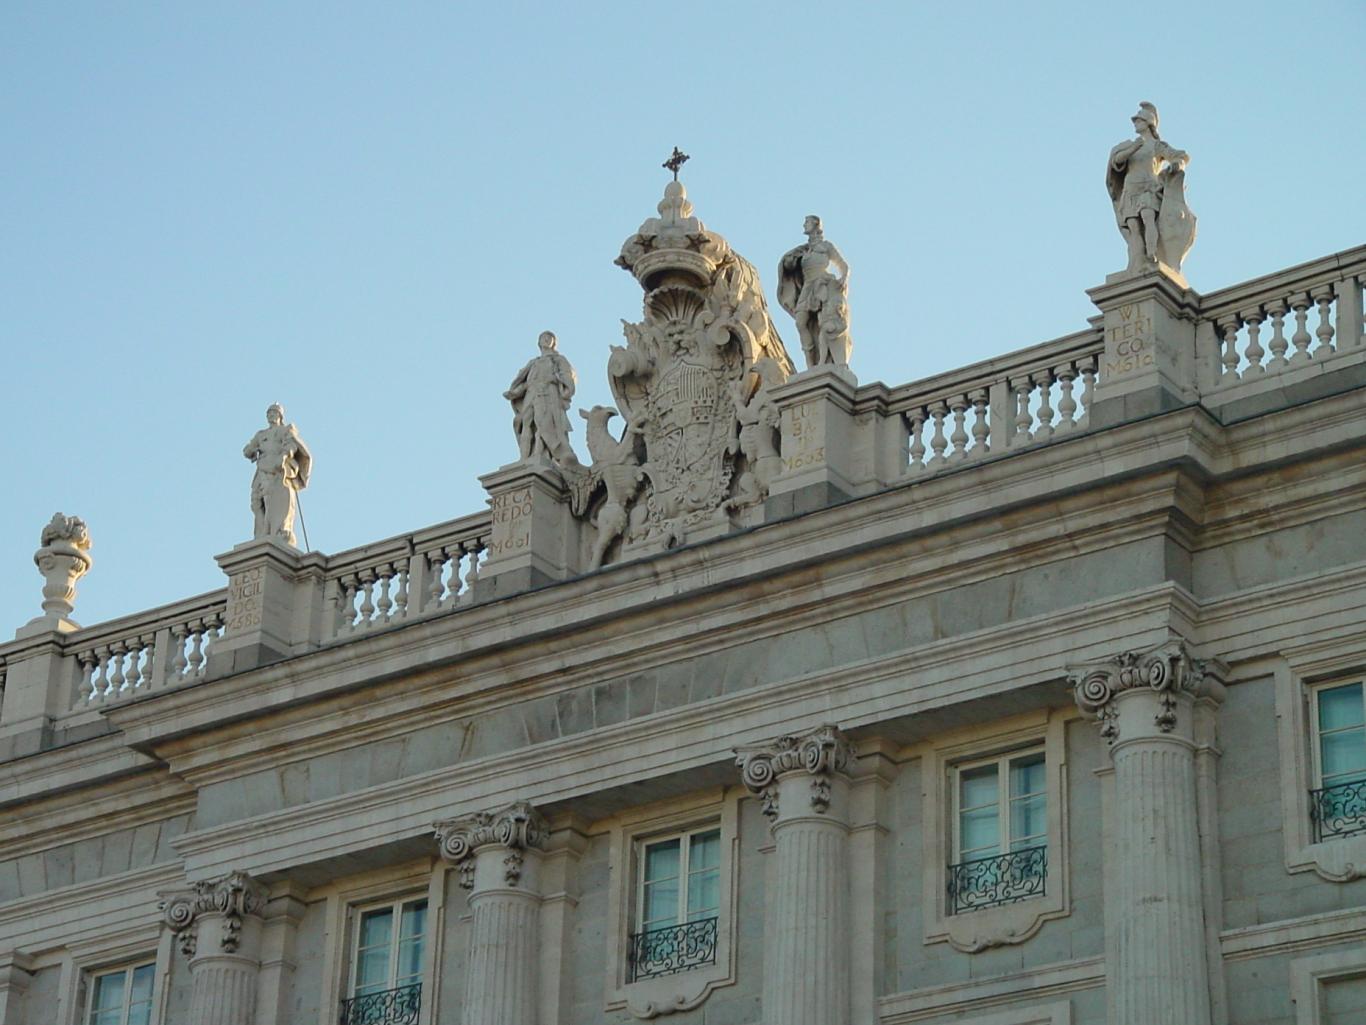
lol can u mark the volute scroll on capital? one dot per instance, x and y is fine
(820, 753)
(1169, 671)
(517, 828)
(234, 896)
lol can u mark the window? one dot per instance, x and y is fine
(1337, 805)
(386, 965)
(1000, 839)
(122, 997)
(678, 904)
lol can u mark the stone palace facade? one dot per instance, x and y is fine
(1027, 694)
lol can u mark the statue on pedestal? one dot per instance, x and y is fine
(1146, 179)
(283, 464)
(540, 395)
(817, 297)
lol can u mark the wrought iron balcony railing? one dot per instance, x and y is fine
(1004, 879)
(1339, 810)
(673, 949)
(390, 1007)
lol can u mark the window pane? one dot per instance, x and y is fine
(409, 961)
(1343, 754)
(109, 992)
(661, 860)
(704, 894)
(372, 970)
(1340, 706)
(661, 903)
(979, 832)
(704, 850)
(140, 999)
(1028, 820)
(977, 787)
(109, 1017)
(1028, 775)
(375, 927)
(414, 919)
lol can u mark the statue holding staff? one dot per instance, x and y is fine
(283, 464)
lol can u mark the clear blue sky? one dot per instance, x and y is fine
(368, 214)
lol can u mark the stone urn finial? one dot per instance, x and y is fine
(62, 560)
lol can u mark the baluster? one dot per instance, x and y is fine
(384, 604)
(1045, 415)
(401, 595)
(1230, 357)
(1323, 295)
(1023, 419)
(178, 661)
(1254, 351)
(88, 661)
(1088, 382)
(981, 427)
(917, 422)
(116, 678)
(346, 609)
(1067, 406)
(1300, 339)
(959, 437)
(1279, 343)
(196, 660)
(474, 548)
(213, 626)
(436, 562)
(148, 650)
(937, 441)
(367, 598)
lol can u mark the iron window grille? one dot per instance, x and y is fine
(1339, 810)
(672, 949)
(398, 1006)
(1003, 879)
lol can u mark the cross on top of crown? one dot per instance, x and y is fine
(675, 161)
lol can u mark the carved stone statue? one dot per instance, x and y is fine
(540, 395)
(817, 297)
(283, 464)
(759, 439)
(618, 465)
(1146, 179)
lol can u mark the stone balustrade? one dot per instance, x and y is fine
(1024, 398)
(1293, 319)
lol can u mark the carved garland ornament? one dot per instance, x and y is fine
(820, 753)
(517, 827)
(234, 896)
(1169, 670)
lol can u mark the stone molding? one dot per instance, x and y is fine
(234, 897)
(821, 753)
(1168, 671)
(518, 827)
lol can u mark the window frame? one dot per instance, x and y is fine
(976, 929)
(82, 962)
(628, 833)
(1002, 760)
(1315, 733)
(91, 986)
(358, 913)
(684, 876)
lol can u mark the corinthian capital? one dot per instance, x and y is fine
(1166, 672)
(820, 753)
(516, 828)
(234, 896)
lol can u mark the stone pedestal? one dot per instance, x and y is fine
(816, 410)
(271, 592)
(1146, 707)
(40, 684)
(1149, 361)
(805, 794)
(535, 538)
(218, 927)
(499, 858)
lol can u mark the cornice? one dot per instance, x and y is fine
(77, 815)
(689, 737)
(98, 759)
(88, 910)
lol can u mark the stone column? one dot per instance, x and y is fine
(274, 605)
(805, 794)
(819, 437)
(218, 927)
(535, 538)
(1146, 707)
(499, 858)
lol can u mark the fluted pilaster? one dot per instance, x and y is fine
(218, 926)
(805, 793)
(1145, 705)
(499, 855)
